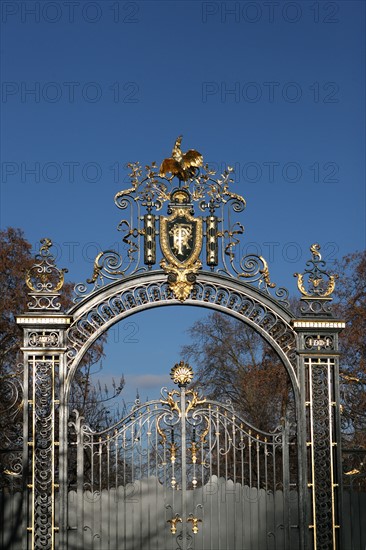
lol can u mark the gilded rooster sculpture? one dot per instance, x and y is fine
(182, 165)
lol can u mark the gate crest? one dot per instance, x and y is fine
(181, 232)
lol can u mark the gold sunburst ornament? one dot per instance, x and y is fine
(181, 374)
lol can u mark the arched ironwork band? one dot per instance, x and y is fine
(209, 290)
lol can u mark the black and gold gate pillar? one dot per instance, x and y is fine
(317, 344)
(44, 349)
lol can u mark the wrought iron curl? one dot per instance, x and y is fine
(283, 296)
(13, 392)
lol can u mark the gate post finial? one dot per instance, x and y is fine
(44, 346)
(44, 280)
(320, 285)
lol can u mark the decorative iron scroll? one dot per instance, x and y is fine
(316, 285)
(42, 445)
(160, 212)
(44, 280)
(12, 402)
(323, 484)
(139, 294)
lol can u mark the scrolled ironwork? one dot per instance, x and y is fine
(42, 459)
(12, 438)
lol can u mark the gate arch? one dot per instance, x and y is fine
(96, 314)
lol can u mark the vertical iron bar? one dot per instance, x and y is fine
(211, 424)
(184, 466)
(108, 492)
(202, 489)
(242, 484)
(218, 478)
(133, 481)
(225, 485)
(286, 484)
(311, 444)
(116, 499)
(331, 444)
(156, 482)
(234, 473)
(100, 451)
(258, 489)
(338, 449)
(80, 479)
(124, 491)
(139, 443)
(25, 470)
(148, 478)
(266, 479)
(250, 487)
(274, 484)
(302, 406)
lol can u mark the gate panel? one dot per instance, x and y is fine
(181, 472)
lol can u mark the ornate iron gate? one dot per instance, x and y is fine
(181, 472)
(198, 266)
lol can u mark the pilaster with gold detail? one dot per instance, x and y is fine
(317, 345)
(44, 347)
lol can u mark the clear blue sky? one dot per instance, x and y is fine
(278, 91)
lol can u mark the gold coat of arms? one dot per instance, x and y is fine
(181, 238)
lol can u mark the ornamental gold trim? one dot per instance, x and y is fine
(320, 284)
(181, 374)
(44, 276)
